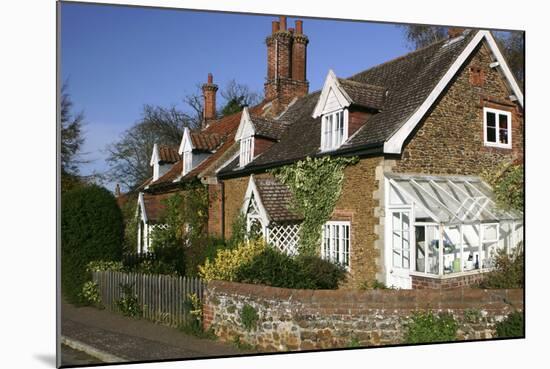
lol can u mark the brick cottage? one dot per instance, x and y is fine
(413, 212)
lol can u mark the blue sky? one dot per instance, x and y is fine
(116, 59)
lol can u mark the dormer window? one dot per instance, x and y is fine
(497, 127)
(334, 129)
(246, 151)
(187, 162)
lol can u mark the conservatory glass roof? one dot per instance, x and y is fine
(449, 199)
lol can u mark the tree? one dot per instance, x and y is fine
(511, 43)
(237, 96)
(71, 142)
(129, 157)
(71, 134)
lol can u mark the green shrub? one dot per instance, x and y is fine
(101, 266)
(200, 250)
(428, 327)
(128, 304)
(249, 317)
(373, 285)
(273, 268)
(90, 294)
(228, 261)
(277, 269)
(91, 229)
(322, 273)
(238, 231)
(512, 326)
(508, 272)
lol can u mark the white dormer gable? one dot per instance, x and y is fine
(245, 138)
(186, 143)
(186, 151)
(246, 128)
(332, 98)
(155, 159)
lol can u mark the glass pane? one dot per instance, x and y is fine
(503, 129)
(337, 243)
(346, 246)
(396, 221)
(405, 227)
(491, 119)
(420, 248)
(470, 234)
(451, 250)
(490, 232)
(432, 241)
(488, 254)
(491, 134)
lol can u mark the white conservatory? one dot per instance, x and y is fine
(457, 212)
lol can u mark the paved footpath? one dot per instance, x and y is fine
(117, 337)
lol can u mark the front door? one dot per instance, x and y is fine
(398, 248)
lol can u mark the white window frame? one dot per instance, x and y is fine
(328, 245)
(187, 162)
(246, 153)
(329, 129)
(497, 113)
(410, 235)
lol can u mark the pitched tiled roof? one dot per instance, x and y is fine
(224, 130)
(268, 128)
(363, 94)
(203, 141)
(408, 81)
(277, 200)
(168, 154)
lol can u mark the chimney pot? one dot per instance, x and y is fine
(299, 26)
(282, 21)
(210, 78)
(117, 190)
(274, 26)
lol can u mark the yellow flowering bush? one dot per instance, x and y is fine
(228, 261)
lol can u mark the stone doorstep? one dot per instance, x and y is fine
(92, 351)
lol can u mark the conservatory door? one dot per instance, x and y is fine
(399, 247)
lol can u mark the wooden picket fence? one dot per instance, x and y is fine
(162, 298)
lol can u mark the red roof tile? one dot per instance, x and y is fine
(168, 154)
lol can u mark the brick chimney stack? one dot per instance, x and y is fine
(453, 32)
(209, 93)
(286, 64)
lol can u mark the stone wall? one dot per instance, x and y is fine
(293, 320)
(357, 204)
(449, 140)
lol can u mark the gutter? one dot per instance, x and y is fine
(363, 151)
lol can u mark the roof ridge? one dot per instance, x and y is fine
(398, 58)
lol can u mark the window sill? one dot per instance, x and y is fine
(497, 146)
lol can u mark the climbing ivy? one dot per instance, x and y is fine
(507, 182)
(185, 216)
(316, 184)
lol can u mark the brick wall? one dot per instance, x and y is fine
(233, 197)
(215, 210)
(450, 139)
(420, 282)
(307, 319)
